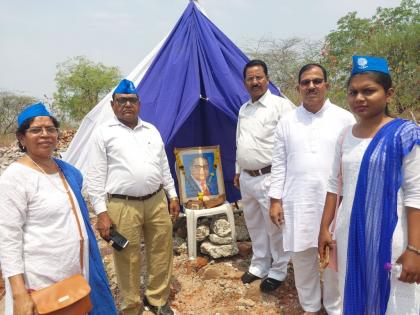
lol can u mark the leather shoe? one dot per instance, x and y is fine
(269, 284)
(248, 277)
(158, 310)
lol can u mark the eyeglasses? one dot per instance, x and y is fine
(315, 82)
(199, 167)
(251, 79)
(38, 130)
(124, 100)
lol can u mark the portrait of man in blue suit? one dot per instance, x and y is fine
(201, 176)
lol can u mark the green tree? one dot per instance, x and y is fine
(81, 84)
(392, 33)
(11, 104)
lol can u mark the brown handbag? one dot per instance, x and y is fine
(66, 297)
(71, 295)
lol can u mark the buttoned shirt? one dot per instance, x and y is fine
(255, 130)
(302, 157)
(127, 161)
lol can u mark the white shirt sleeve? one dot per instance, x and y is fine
(97, 174)
(279, 164)
(411, 178)
(168, 181)
(332, 185)
(237, 167)
(13, 206)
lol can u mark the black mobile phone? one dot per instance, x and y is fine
(116, 240)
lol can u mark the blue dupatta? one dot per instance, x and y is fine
(100, 295)
(374, 217)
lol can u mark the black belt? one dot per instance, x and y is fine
(264, 170)
(141, 198)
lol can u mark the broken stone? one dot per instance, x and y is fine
(245, 248)
(241, 229)
(246, 302)
(218, 251)
(216, 239)
(179, 245)
(202, 232)
(221, 227)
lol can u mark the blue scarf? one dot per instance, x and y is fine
(100, 295)
(374, 217)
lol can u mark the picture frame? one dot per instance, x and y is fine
(199, 170)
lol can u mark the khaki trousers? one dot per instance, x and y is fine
(151, 216)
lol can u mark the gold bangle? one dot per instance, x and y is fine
(173, 199)
(413, 249)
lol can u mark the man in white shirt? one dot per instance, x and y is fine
(302, 158)
(127, 179)
(254, 145)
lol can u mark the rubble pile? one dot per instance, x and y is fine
(8, 155)
(11, 153)
(214, 236)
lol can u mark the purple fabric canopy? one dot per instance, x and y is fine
(194, 88)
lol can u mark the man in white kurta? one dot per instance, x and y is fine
(302, 158)
(254, 144)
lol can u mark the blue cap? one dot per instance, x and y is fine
(33, 110)
(125, 87)
(368, 63)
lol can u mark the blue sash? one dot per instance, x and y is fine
(374, 217)
(100, 294)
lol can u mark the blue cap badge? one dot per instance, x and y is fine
(33, 110)
(367, 63)
(125, 87)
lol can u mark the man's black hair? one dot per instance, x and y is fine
(256, 62)
(310, 66)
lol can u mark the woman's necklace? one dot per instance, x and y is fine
(47, 176)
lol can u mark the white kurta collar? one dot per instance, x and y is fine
(324, 107)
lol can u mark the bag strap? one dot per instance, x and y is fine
(340, 181)
(73, 208)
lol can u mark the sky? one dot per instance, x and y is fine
(35, 36)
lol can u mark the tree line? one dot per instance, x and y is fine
(392, 33)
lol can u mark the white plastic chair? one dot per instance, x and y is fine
(192, 217)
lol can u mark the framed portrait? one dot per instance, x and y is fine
(199, 173)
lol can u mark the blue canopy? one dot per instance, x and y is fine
(193, 90)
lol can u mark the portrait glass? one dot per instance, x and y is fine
(199, 172)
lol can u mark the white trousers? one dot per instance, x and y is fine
(269, 258)
(307, 281)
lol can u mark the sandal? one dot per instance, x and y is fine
(269, 284)
(248, 277)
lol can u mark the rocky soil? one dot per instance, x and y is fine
(204, 285)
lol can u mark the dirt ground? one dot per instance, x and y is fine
(213, 287)
(216, 288)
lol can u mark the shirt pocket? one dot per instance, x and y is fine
(153, 150)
